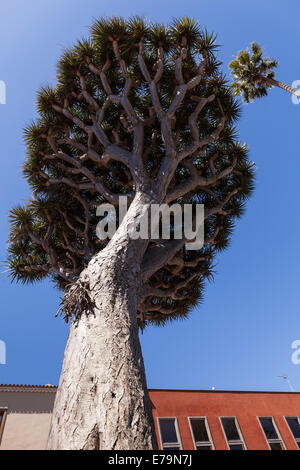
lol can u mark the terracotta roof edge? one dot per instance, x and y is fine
(54, 387)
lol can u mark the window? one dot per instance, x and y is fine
(201, 434)
(3, 412)
(273, 438)
(233, 434)
(169, 433)
(294, 425)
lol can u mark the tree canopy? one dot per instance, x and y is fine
(136, 106)
(252, 73)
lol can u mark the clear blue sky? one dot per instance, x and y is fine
(240, 338)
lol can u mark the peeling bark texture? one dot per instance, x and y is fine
(102, 400)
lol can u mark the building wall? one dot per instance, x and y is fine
(29, 412)
(28, 418)
(26, 431)
(245, 406)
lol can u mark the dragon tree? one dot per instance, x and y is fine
(143, 111)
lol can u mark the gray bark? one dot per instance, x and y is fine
(102, 400)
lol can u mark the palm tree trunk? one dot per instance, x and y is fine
(282, 85)
(102, 400)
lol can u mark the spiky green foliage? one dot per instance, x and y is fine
(250, 72)
(136, 106)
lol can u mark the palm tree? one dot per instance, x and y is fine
(253, 75)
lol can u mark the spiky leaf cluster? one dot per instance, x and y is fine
(250, 72)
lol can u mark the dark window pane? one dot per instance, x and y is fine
(167, 430)
(236, 447)
(199, 430)
(275, 446)
(294, 426)
(230, 429)
(171, 448)
(268, 427)
(204, 448)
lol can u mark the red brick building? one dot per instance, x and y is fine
(223, 420)
(184, 419)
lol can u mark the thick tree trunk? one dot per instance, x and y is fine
(102, 400)
(283, 86)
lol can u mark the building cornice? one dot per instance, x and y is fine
(48, 388)
(28, 388)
